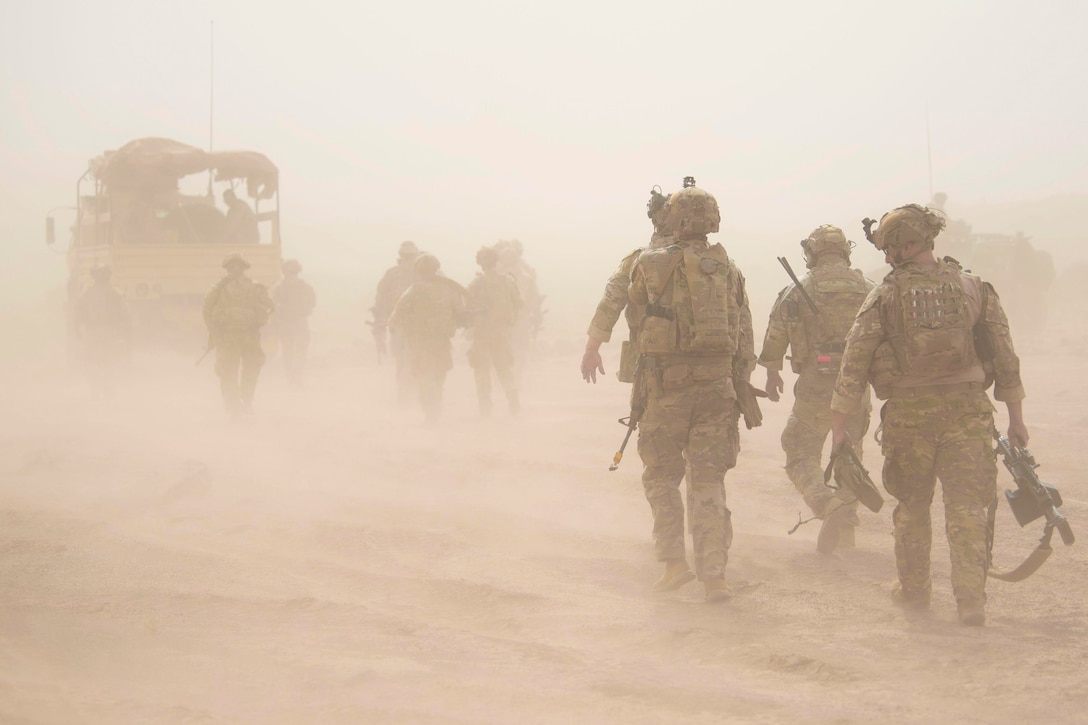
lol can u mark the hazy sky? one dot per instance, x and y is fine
(463, 122)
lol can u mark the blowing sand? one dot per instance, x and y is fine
(334, 561)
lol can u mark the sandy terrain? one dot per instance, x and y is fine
(336, 562)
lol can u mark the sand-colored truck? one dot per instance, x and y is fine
(155, 211)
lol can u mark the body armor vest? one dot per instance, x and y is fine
(818, 341)
(239, 304)
(930, 329)
(692, 306)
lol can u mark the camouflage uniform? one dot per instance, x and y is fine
(392, 285)
(103, 324)
(816, 345)
(427, 315)
(294, 300)
(614, 302)
(695, 343)
(495, 302)
(235, 310)
(527, 325)
(914, 340)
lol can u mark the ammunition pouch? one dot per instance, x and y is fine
(656, 309)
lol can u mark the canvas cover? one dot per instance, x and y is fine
(157, 163)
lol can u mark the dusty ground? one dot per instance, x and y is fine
(335, 562)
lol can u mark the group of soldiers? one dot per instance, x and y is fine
(930, 340)
(236, 309)
(418, 310)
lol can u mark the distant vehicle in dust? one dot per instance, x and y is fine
(147, 212)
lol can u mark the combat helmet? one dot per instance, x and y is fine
(487, 257)
(906, 224)
(101, 273)
(291, 266)
(408, 250)
(825, 239)
(691, 213)
(426, 265)
(235, 260)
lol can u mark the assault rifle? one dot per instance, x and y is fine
(1031, 499)
(638, 404)
(797, 283)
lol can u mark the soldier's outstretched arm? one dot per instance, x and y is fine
(591, 360)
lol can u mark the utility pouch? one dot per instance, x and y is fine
(828, 363)
(676, 376)
(829, 358)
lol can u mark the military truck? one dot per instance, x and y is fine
(146, 211)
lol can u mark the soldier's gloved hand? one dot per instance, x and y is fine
(774, 385)
(591, 365)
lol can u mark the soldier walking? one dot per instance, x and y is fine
(234, 311)
(815, 339)
(103, 326)
(695, 350)
(494, 303)
(931, 339)
(392, 285)
(294, 299)
(427, 316)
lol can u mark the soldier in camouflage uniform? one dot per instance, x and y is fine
(235, 310)
(931, 339)
(695, 347)
(531, 317)
(816, 343)
(495, 302)
(615, 302)
(427, 315)
(392, 285)
(294, 299)
(103, 326)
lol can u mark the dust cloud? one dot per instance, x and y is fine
(331, 559)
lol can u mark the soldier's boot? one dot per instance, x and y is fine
(677, 574)
(972, 612)
(716, 590)
(909, 598)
